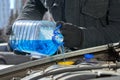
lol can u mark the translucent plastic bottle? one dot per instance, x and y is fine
(36, 37)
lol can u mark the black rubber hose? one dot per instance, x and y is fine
(3, 61)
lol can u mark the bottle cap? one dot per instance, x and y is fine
(88, 56)
(66, 63)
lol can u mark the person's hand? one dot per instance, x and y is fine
(9, 30)
(3, 36)
(72, 35)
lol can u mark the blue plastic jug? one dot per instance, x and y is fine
(36, 37)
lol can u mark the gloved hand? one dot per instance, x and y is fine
(73, 36)
(9, 30)
(3, 36)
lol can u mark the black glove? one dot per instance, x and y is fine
(3, 36)
(9, 30)
(72, 35)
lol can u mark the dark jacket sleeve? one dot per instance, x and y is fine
(107, 34)
(33, 10)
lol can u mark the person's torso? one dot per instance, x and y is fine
(84, 13)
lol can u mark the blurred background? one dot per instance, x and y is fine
(9, 10)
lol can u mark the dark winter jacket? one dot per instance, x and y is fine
(100, 18)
